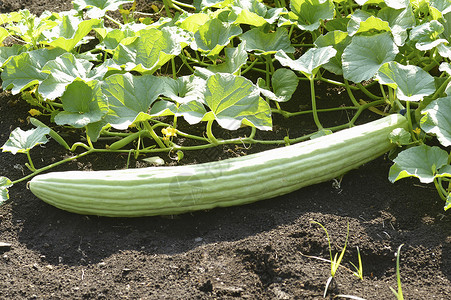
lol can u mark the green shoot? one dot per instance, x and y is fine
(359, 269)
(335, 261)
(398, 293)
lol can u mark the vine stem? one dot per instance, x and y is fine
(37, 171)
(210, 135)
(154, 135)
(315, 112)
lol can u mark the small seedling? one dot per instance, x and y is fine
(335, 261)
(398, 293)
(358, 270)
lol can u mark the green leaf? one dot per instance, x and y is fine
(184, 89)
(235, 101)
(22, 141)
(411, 82)
(83, 103)
(98, 8)
(234, 59)
(400, 136)
(426, 36)
(310, 62)
(250, 12)
(114, 37)
(192, 111)
(339, 40)
(64, 70)
(148, 52)
(421, 162)
(130, 97)
(309, 13)
(397, 4)
(6, 53)
(24, 70)
(204, 4)
(438, 120)
(69, 32)
(284, 84)
(363, 57)
(267, 43)
(5, 183)
(194, 21)
(213, 36)
(448, 202)
(366, 24)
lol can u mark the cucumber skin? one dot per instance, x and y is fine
(235, 181)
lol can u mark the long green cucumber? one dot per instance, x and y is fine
(234, 181)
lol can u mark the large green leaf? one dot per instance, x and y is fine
(6, 53)
(184, 89)
(363, 57)
(130, 97)
(194, 21)
(310, 62)
(438, 120)
(267, 43)
(147, 52)
(284, 84)
(21, 141)
(192, 111)
(236, 101)
(69, 32)
(83, 104)
(250, 12)
(422, 162)
(213, 36)
(235, 58)
(65, 69)
(98, 8)
(339, 40)
(426, 36)
(363, 22)
(25, 69)
(411, 82)
(308, 13)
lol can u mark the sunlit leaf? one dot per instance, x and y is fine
(438, 120)
(25, 69)
(267, 43)
(148, 52)
(130, 97)
(236, 101)
(339, 40)
(213, 36)
(235, 58)
(69, 32)
(363, 57)
(309, 13)
(194, 21)
(310, 62)
(411, 82)
(6, 53)
(426, 36)
(192, 112)
(421, 162)
(65, 69)
(83, 104)
(98, 8)
(184, 89)
(21, 141)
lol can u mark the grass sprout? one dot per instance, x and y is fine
(358, 270)
(335, 260)
(398, 293)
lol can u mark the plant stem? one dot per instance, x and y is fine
(154, 135)
(313, 97)
(210, 135)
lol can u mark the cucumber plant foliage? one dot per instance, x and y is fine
(133, 79)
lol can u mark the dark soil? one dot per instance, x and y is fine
(255, 251)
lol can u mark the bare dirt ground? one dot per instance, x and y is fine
(255, 251)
